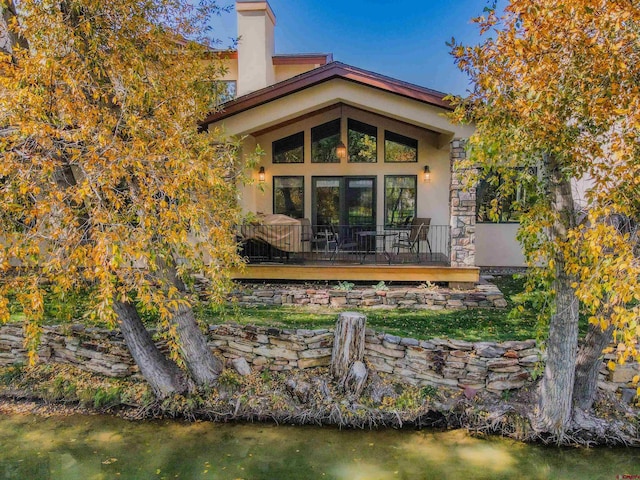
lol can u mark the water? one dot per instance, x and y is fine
(98, 447)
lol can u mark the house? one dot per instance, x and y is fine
(357, 158)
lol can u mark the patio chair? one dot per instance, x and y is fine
(323, 239)
(410, 240)
(342, 243)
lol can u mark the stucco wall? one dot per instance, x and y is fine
(496, 245)
(432, 196)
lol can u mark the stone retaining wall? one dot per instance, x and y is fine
(482, 365)
(437, 298)
(94, 350)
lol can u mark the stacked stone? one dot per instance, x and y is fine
(90, 349)
(435, 298)
(495, 367)
(11, 346)
(453, 363)
(462, 204)
(619, 380)
(273, 348)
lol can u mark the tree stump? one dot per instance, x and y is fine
(356, 378)
(348, 348)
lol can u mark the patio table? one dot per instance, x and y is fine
(370, 239)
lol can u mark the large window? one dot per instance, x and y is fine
(324, 140)
(289, 149)
(398, 148)
(363, 140)
(497, 204)
(400, 193)
(288, 196)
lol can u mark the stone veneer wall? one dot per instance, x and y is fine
(483, 365)
(483, 296)
(462, 206)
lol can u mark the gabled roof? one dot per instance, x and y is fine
(333, 70)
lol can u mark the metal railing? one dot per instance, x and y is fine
(303, 243)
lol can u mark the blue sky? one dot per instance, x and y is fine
(404, 39)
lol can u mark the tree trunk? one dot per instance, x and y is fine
(356, 378)
(8, 39)
(588, 365)
(348, 344)
(162, 374)
(202, 364)
(556, 387)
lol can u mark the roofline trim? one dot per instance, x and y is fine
(303, 59)
(330, 71)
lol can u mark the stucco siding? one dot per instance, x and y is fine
(432, 196)
(496, 245)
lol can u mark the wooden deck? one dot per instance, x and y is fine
(374, 273)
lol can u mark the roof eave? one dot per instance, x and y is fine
(334, 70)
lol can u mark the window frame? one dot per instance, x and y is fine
(399, 139)
(415, 197)
(373, 132)
(273, 186)
(283, 139)
(500, 221)
(326, 125)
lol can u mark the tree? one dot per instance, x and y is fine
(105, 182)
(556, 87)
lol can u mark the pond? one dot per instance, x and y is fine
(100, 447)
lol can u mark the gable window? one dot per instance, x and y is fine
(496, 205)
(400, 193)
(324, 140)
(288, 196)
(362, 142)
(398, 148)
(289, 149)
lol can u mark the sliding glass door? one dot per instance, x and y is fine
(347, 201)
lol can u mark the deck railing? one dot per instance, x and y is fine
(362, 244)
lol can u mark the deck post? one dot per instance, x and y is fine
(462, 206)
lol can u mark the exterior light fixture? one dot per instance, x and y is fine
(341, 150)
(261, 175)
(426, 174)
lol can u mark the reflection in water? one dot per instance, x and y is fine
(96, 448)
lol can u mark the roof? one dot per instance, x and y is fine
(283, 59)
(302, 58)
(330, 71)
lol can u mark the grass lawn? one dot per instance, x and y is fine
(472, 325)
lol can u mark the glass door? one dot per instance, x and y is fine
(326, 201)
(346, 201)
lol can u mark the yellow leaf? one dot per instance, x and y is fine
(611, 365)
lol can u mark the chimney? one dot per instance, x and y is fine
(256, 46)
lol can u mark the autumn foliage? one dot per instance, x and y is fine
(105, 181)
(556, 98)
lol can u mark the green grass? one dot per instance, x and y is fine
(481, 324)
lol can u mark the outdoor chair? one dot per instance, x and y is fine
(410, 240)
(323, 239)
(342, 243)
